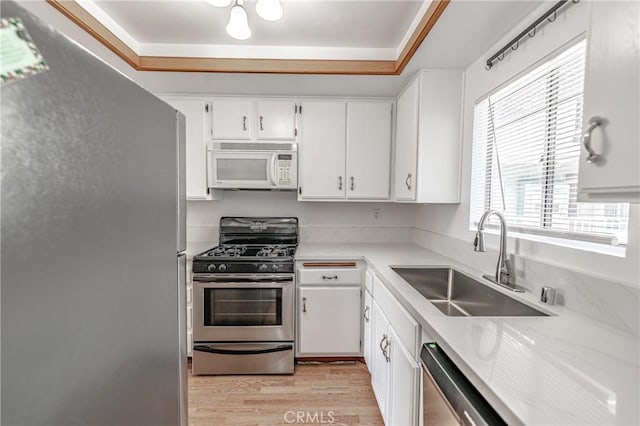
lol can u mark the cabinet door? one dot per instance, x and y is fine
(322, 150)
(380, 360)
(367, 329)
(407, 143)
(368, 149)
(196, 148)
(612, 90)
(403, 392)
(231, 119)
(329, 320)
(277, 120)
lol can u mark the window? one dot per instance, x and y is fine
(528, 135)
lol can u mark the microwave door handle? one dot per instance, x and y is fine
(273, 172)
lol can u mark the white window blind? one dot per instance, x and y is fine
(528, 134)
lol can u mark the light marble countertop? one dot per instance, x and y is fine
(562, 369)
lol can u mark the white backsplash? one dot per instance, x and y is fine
(321, 234)
(609, 302)
(356, 234)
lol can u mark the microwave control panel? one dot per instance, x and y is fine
(285, 170)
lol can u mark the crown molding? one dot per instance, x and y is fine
(111, 35)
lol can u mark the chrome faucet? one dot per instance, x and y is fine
(503, 274)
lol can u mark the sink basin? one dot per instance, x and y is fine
(456, 294)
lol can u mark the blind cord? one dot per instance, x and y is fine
(495, 145)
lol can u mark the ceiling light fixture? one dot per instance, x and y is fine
(270, 10)
(238, 26)
(219, 3)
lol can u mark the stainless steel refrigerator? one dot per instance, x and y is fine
(93, 315)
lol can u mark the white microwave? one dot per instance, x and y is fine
(255, 165)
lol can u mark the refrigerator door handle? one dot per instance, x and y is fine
(216, 350)
(182, 337)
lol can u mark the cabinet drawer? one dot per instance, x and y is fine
(406, 328)
(329, 276)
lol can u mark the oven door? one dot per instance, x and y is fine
(243, 309)
(241, 169)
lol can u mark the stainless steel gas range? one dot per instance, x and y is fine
(243, 298)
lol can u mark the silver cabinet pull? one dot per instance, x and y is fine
(304, 304)
(353, 183)
(407, 181)
(340, 182)
(586, 139)
(333, 277)
(244, 123)
(385, 347)
(261, 128)
(364, 314)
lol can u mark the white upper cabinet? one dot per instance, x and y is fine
(345, 150)
(428, 138)
(612, 90)
(196, 148)
(322, 150)
(250, 119)
(231, 119)
(407, 143)
(276, 120)
(368, 149)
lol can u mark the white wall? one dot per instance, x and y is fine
(319, 221)
(453, 220)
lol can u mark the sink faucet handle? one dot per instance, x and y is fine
(506, 267)
(479, 243)
(548, 295)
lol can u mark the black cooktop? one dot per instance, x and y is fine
(251, 245)
(233, 252)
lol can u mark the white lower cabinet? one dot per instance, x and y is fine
(405, 384)
(380, 360)
(329, 308)
(394, 367)
(329, 320)
(367, 311)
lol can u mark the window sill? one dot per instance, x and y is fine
(609, 250)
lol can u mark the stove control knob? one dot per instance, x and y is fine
(222, 268)
(211, 268)
(275, 268)
(262, 268)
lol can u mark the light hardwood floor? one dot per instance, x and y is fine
(327, 391)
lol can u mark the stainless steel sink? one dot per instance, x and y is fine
(456, 294)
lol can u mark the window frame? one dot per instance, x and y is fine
(544, 233)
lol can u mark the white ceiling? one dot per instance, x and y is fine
(309, 29)
(324, 23)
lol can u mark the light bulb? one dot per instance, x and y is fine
(270, 10)
(219, 3)
(238, 26)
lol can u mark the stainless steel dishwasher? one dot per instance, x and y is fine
(448, 396)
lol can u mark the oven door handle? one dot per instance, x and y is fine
(239, 279)
(214, 350)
